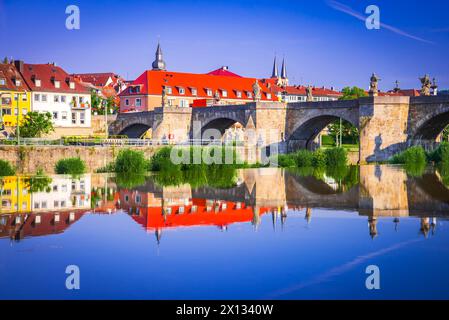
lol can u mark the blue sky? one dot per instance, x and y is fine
(323, 41)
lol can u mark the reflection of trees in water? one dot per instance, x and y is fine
(343, 177)
(198, 176)
(38, 183)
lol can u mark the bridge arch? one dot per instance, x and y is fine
(135, 130)
(431, 126)
(306, 131)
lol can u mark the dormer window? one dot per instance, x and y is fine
(249, 94)
(239, 94)
(224, 93)
(18, 83)
(268, 95)
(194, 91)
(2, 81)
(181, 90)
(72, 85)
(37, 82)
(57, 84)
(209, 92)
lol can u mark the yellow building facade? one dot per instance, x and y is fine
(14, 195)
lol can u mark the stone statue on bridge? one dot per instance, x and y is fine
(373, 86)
(425, 85)
(217, 97)
(309, 90)
(164, 97)
(256, 91)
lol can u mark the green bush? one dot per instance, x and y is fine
(70, 166)
(336, 157)
(304, 158)
(131, 161)
(327, 140)
(285, 160)
(6, 169)
(441, 154)
(410, 157)
(319, 159)
(161, 161)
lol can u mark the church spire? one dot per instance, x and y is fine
(159, 63)
(284, 70)
(275, 73)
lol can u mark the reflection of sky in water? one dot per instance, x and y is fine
(323, 259)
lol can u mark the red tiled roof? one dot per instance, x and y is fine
(300, 90)
(152, 82)
(47, 74)
(10, 74)
(223, 71)
(97, 79)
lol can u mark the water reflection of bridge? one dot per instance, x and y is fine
(382, 191)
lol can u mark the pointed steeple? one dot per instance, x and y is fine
(284, 70)
(275, 73)
(159, 63)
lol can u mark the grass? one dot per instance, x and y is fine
(6, 169)
(73, 166)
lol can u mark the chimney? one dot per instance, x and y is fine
(19, 65)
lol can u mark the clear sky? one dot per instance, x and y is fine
(324, 42)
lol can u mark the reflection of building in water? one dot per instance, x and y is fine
(14, 195)
(20, 226)
(65, 193)
(425, 226)
(235, 133)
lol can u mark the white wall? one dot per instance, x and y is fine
(65, 194)
(62, 109)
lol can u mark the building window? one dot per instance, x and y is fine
(37, 82)
(18, 83)
(6, 111)
(55, 203)
(138, 198)
(63, 99)
(57, 84)
(64, 115)
(138, 102)
(73, 117)
(56, 98)
(72, 85)
(268, 95)
(44, 98)
(81, 99)
(194, 91)
(126, 102)
(82, 120)
(249, 94)
(224, 93)
(239, 94)
(24, 97)
(16, 96)
(183, 103)
(181, 90)
(169, 90)
(209, 92)
(37, 97)
(24, 111)
(2, 82)
(55, 115)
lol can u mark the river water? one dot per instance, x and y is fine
(270, 234)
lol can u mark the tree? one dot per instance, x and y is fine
(446, 134)
(352, 93)
(349, 133)
(35, 124)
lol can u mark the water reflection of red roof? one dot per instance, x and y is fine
(199, 213)
(19, 226)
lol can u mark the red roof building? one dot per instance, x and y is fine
(182, 89)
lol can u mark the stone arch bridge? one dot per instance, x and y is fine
(387, 124)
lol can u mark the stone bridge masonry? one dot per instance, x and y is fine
(387, 124)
